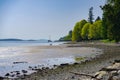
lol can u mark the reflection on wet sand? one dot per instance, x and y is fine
(24, 60)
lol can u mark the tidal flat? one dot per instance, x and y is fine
(111, 52)
(18, 62)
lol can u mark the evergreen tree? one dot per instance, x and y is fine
(70, 33)
(111, 16)
(97, 19)
(90, 18)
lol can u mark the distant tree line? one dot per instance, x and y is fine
(67, 37)
(106, 28)
(84, 30)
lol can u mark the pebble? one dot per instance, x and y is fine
(1, 78)
(7, 74)
(24, 71)
(73, 77)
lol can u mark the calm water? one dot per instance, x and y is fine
(27, 43)
(33, 54)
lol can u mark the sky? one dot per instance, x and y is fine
(39, 19)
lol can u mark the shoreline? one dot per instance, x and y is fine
(63, 71)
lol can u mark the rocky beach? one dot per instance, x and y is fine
(89, 68)
(18, 62)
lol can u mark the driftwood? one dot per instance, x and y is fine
(116, 61)
(83, 74)
(19, 62)
(109, 69)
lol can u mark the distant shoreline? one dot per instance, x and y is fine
(14, 39)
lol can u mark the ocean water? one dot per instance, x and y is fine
(27, 43)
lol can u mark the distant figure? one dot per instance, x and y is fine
(49, 41)
(50, 44)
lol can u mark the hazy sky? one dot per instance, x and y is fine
(39, 19)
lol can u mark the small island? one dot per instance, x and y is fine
(11, 40)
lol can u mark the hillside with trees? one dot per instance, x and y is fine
(106, 28)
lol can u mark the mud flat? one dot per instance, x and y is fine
(22, 61)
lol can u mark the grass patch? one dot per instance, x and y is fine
(108, 41)
(79, 59)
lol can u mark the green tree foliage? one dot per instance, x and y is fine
(76, 34)
(90, 18)
(104, 29)
(95, 30)
(70, 34)
(91, 34)
(111, 16)
(85, 31)
(98, 25)
(67, 37)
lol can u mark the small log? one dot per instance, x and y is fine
(19, 62)
(117, 61)
(83, 74)
(109, 69)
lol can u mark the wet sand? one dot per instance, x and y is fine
(28, 59)
(111, 53)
